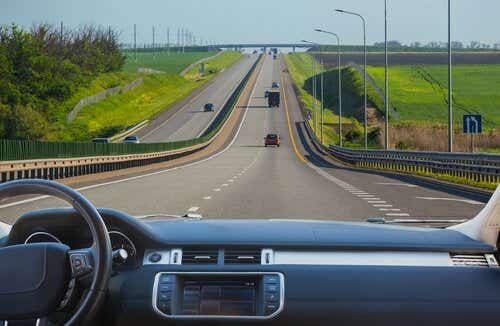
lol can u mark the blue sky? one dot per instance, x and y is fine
(268, 20)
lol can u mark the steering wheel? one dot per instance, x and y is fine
(34, 277)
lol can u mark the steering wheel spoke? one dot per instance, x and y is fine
(81, 262)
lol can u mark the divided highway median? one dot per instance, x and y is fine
(58, 160)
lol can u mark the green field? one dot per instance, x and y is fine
(419, 93)
(172, 64)
(157, 92)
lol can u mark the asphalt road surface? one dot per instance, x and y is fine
(190, 121)
(248, 180)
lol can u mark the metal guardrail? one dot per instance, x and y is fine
(478, 167)
(57, 160)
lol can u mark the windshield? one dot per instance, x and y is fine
(160, 112)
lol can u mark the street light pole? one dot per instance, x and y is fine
(314, 90)
(386, 100)
(340, 81)
(364, 77)
(450, 85)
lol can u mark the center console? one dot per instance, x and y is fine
(189, 295)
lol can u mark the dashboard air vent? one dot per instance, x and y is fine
(242, 256)
(469, 260)
(193, 256)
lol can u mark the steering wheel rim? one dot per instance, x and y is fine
(101, 245)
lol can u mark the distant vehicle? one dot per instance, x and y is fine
(209, 107)
(275, 85)
(272, 140)
(274, 50)
(273, 99)
(270, 53)
(274, 57)
(131, 140)
(254, 52)
(266, 94)
(100, 141)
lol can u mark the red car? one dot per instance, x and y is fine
(272, 140)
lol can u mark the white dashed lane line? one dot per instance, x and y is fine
(193, 209)
(207, 197)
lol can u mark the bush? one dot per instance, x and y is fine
(41, 68)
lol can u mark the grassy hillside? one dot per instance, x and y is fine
(157, 93)
(172, 64)
(420, 93)
(300, 68)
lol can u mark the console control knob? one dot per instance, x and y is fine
(155, 257)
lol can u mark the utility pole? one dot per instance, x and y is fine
(168, 40)
(135, 42)
(62, 34)
(450, 85)
(154, 54)
(178, 40)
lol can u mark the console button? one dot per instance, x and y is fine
(165, 287)
(270, 308)
(164, 306)
(271, 279)
(167, 279)
(271, 297)
(165, 296)
(155, 257)
(271, 288)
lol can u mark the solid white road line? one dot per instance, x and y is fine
(397, 214)
(396, 184)
(468, 201)
(98, 185)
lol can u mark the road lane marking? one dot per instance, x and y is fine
(371, 198)
(468, 201)
(230, 180)
(398, 214)
(225, 185)
(389, 209)
(377, 202)
(137, 177)
(396, 184)
(193, 209)
(382, 205)
(207, 197)
(365, 196)
(217, 189)
(294, 146)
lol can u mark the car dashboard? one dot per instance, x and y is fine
(282, 272)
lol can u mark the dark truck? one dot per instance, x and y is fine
(273, 98)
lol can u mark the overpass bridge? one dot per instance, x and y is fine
(262, 45)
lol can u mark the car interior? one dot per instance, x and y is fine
(84, 265)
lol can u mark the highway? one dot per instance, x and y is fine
(190, 121)
(248, 180)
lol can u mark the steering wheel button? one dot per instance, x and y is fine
(271, 288)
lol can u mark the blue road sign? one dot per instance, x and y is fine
(473, 124)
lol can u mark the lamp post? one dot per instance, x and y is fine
(364, 83)
(340, 80)
(315, 83)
